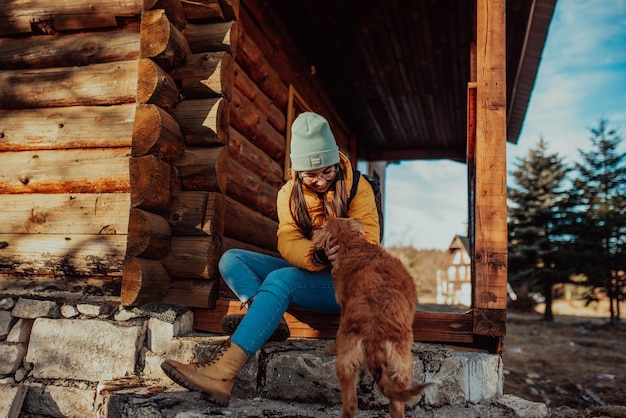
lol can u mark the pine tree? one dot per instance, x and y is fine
(598, 227)
(534, 214)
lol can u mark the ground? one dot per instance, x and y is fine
(577, 361)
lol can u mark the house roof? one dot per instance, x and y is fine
(397, 70)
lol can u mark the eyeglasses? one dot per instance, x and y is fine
(328, 175)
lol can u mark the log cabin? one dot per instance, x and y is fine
(140, 139)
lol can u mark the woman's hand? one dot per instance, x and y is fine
(333, 251)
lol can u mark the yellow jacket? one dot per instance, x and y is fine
(295, 247)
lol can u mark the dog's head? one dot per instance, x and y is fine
(337, 229)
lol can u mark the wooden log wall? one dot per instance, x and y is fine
(141, 140)
(114, 133)
(68, 77)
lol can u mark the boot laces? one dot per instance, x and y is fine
(246, 303)
(216, 352)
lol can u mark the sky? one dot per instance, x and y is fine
(581, 79)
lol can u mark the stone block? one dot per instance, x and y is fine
(483, 375)
(88, 309)
(7, 304)
(524, 408)
(31, 309)
(20, 331)
(59, 401)
(185, 324)
(303, 376)
(152, 366)
(6, 322)
(11, 356)
(90, 350)
(159, 335)
(11, 399)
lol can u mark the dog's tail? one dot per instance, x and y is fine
(403, 395)
(377, 364)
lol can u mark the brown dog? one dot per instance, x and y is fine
(377, 299)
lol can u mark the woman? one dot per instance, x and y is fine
(319, 187)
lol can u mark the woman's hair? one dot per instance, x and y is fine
(338, 208)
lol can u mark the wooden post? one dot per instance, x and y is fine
(490, 249)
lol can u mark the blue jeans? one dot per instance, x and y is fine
(275, 285)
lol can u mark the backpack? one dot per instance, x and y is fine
(356, 176)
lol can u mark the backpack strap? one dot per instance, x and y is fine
(356, 176)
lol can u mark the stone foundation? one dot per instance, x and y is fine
(71, 359)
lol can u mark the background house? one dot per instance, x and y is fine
(454, 280)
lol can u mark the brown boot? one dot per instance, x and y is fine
(231, 322)
(215, 378)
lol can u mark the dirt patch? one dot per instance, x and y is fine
(578, 361)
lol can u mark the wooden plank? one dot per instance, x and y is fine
(149, 235)
(45, 51)
(213, 37)
(197, 213)
(193, 257)
(155, 85)
(230, 8)
(151, 180)
(253, 124)
(173, 9)
(97, 84)
(253, 159)
(144, 281)
(228, 243)
(204, 121)
(65, 14)
(161, 41)
(67, 127)
(248, 188)
(207, 74)
(91, 214)
(203, 169)
(205, 10)
(193, 293)
(98, 288)
(252, 59)
(248, 225)
(427, 326)
(62, 255)
(259, 99)
(71, 171)
(490, 247)
(156, 132)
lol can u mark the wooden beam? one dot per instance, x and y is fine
(45, 51)
(206, 74)
(97, 170)
(80, 213)
(418, 154)
(161, 41)
(62, 255)
(64, 14)
(490, 247)
(65, 127)
(427, 326)
(156, 132)
(97, 84)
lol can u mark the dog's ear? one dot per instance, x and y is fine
(321, 237)
(356, 225)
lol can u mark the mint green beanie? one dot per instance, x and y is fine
(313, 144)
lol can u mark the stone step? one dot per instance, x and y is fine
(297, 372)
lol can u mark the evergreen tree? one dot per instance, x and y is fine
(598, 227)
(535, 203)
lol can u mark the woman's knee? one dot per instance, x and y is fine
(231, 258)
